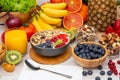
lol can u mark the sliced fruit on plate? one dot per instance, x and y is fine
(73, 6)
(72, 21)
(13, 57)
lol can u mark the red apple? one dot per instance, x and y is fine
(56, 1)
(3, 37)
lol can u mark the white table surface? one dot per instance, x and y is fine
(14, 75)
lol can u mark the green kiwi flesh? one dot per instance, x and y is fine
(72, 35)
(13, 57)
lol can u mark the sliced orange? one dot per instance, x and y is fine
(84, 12)
(73, 6)
(72, 21)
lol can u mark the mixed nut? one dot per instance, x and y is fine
(112, 43)
(41, 37)
(86, 33)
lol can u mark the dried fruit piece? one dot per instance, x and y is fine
(8, 67)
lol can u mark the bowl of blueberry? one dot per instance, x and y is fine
(50, 42)
(89, 54)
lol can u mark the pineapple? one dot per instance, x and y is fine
(101, 13)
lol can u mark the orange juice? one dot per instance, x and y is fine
(16, 40)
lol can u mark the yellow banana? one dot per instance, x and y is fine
(36, 24)
(44, 25)
(55, 13)
(48, 19)
(54, 5)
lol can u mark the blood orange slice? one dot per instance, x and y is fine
(72, 21)
(73, 6)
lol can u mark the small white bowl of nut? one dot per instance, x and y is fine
(86, 33)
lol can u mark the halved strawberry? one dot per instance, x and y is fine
(109, 29)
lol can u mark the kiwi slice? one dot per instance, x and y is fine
(71, 34)
(13, 57)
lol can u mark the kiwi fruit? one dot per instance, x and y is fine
(72, 35)
(13, 57)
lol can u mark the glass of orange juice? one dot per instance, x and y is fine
(16, 40)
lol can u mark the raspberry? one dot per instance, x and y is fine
(54, 39)
(65, 40)
(60, 36)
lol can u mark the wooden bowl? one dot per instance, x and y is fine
(90, 63)
(23, 17)
(2, 52)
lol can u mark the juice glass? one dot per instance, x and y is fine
(16, 40)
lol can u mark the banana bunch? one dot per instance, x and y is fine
(50, 16)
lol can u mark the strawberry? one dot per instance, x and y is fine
(117, 24)
(109, 29)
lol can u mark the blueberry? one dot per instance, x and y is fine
(79, 45)
(80, 55)
(97, 78)
(99, 51)
(76, 49)
(77, 53)
(109, 72)
(86, 50)
(84, 73)
(109, 78)
(95, 49)
(90, 72)
(89, 57)
(92, 54)
(102, 72)
(42, 45)
(85, 45)
(48, 45)
(98, 46)
(84, 56)
(102, 51)
(96, 56)
(90, 48)
(100, 67)
(99, 56)
(82, 51)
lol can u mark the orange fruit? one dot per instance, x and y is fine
(84, 12)
(72, 21)
(73, 6)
